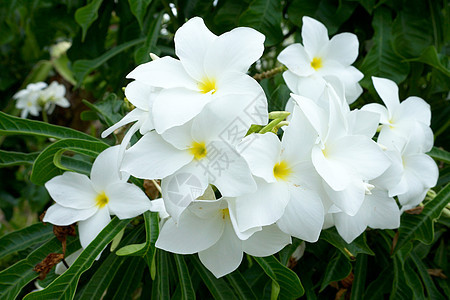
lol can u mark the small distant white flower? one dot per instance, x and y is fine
(59, 49)
(398, 119)
(310, 64)
(90, 202)
(209, 229)
(27, 99)
(53, 95)
(210, 69)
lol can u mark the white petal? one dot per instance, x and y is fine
(391, 178)
(235, 50)
(343, 48)
(292, 81)
(304, 215)
(315, 114)
(180, 136)
(266, 242)
(165, 72)
(363, 122)
(90, 228)
(335, 174)
(177, 106)
(126, 200)
(350, 199)
(132, 116)
(382, 210)
(262, 152)
(225, 256)
(105, 169)
(141, 95)
(378, 109)
(314, 35)
(227, 170)
(423, 167)
(264, 207)
(192, 41)
(297, 60)
(388, 91)
(242, 235)
(72, 190)
(350, 227)
(192, 234)
(61, 268)
(63, 216)
(153, 158)
(311, 87)
(414, 108)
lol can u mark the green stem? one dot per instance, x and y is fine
(269, 73)
(44, 116)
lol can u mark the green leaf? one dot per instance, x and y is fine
(380, 286)
(86, 15)
(400, 288)
(10, 158)
(433, 292)
(430, 57)
(187, 291)
(217, 286)
(381, 60)
(162, 289)
(128, 279)
(10, 125)
(139, 8)
(440, 154)
(50, 162)
(288, 281)
(14, 278)
(141, 55)
(40, 72)
(337, 269)
(65, 285)
(82, 67)
(61, 65)
(264, 16)
(27, 237)
(359, 245)
(240, 285)
(359, 282)
(413, 280)
(421, 226)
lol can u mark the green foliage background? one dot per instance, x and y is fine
(406, 41)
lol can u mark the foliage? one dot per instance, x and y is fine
(406, 41)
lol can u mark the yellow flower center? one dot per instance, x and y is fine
(316, 63)
(207, 85)
(225, 213)
(281, 171)
(29, 104)
(101, 200)
(198, 150)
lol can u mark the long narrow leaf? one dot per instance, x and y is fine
(10, 158)
(187, 291)
(25, 238)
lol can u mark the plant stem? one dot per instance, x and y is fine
(269, 73)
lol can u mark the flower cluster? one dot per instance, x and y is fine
(332, 167)
(39, 96)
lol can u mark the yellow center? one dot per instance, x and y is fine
(207, 85)
(29, 104)
(316, 63)
(281, 171)
(198, 150)
(225, 213)
(101, 200)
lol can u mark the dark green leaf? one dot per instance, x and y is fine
(359, 245)
(65, 285)
(129, 278)
(337, 269)
(413, 279)
(431, 57)
(380, 286)
(139, 8)
(50, 162)
(359, 282)
(10, 125)
(420, 226)
(187, 291)
(241, 286)
(288, 281)
(440, 154)
(433, 292)
(142, 53)
(10, 158)
(86, 15)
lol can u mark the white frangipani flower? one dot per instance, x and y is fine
(53, 95)
(210, 68)
(27, 99)
(90, 202)
(195, 151)
(286, 182)
(208, 227)
(345, 160)
(398, 119)
(310, 64)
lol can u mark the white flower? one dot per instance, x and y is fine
(53, 95)
(209, 228)
(210, 68)
(90, 202)
(197, 151)
(61, 268)
(345, 160)
(310, 64)
(27, 99)
(286, 182)
(398, 119)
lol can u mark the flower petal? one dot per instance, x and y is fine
(343, 48)
(141, 95)
(153, 158)
(225, 256)
(388, 91)
(363, 122)
(105, 169)
(335, 174)
(350, 199)
(304, 215)
(126, 200)
(90, 228)
(314, 35)
(132, 116)
(295, 58)
(378, 109)
(72, 190)
(414, 108)
(266, 242)
(382, 210)
(63, 216)
(192, 41)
